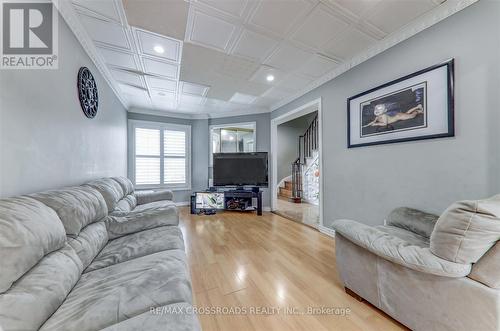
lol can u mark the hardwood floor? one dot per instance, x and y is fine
(248, 266)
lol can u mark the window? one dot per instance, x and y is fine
(232, 138)
(160, 155)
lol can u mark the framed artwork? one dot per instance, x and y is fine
(414, 107)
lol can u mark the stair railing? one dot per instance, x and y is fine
(308, 142)
(296, 179)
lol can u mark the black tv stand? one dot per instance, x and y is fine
(241, 199)
(237, 199)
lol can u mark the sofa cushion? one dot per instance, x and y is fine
(487, 269)
(36, 296)
(76, 206)
(110, 189)
(467, 230)
(111, 295)
(89, 242)
(126, 184)
(140, 221)
(29, 230)
(413, 220)
(162, 204)
(137, 245)
(174, 317)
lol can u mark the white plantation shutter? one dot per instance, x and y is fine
(147, 156)
(174, 151)
(161, 154)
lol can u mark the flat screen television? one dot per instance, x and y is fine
(240, 169)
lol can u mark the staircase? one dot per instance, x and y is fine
(286, 191)
(302, 167)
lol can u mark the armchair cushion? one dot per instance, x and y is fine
(144, 197)
(467, 230)
(413, 220)
(398, 250)
(487, 269)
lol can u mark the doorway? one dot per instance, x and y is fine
(296, 155)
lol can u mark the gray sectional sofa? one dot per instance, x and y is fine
(93, 257)
(428, 272)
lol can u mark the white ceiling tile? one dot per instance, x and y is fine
(392, 15)
(287, 57)
(260, 76)
(160, 83)
(295, 82)
(162, 94)
(276, 93)
(242, 98)
(134, 91)
(317, 66)
(118, 58)
(209, 31)
(191, 99)
(254, 46)
(167, 18)
(356, 7)
(194, 89)
(105, 32)
(279, 16)
(127, 77)
(237, 67)
(231, 7)
(349, 44)
(319, 27)
(164, 69)
(148, 41)
(106, 8)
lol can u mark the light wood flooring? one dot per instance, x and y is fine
(299, 212)
(248, 266)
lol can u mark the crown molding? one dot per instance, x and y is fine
(425, 21)
(194, 116)
(69, 14)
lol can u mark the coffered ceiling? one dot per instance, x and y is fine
(225, 57)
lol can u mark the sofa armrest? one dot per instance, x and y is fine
(398, 251)
(413, 220)
(144, 197)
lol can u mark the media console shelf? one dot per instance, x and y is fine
(236, 200)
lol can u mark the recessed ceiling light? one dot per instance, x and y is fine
(159, 49)
(270, 78)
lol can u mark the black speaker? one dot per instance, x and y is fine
(193, 203)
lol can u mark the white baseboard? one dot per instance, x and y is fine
(182, 203)
(266, 208)
(328, 231)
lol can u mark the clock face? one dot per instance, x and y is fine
(87, 92)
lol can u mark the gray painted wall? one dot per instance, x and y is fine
(366, 183)
(200, 145)
(45, 139)
(199, 151)
(263, 137)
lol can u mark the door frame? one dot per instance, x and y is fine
(305, 109)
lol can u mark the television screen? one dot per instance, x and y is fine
(209, 200)
(240, 169)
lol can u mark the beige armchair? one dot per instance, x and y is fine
(428, 273)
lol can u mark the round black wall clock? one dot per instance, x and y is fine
(87, 92)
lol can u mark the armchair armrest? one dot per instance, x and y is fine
(144, 197)
(398, 251)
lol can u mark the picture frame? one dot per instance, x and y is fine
(414, 107)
